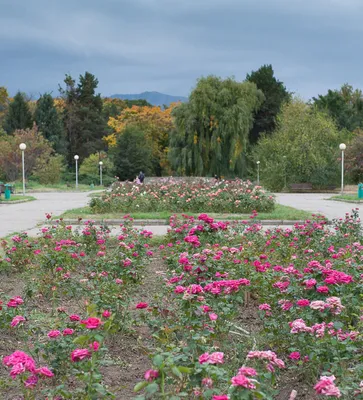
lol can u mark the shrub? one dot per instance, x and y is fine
(225, 196)
(49, 171)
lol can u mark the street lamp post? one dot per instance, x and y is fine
(342, 147)
(285, 173)
(100, 164)
(22, 147)
(76, 157)
(258, 173)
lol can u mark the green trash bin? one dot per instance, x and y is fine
(7, 191)
(360, 191)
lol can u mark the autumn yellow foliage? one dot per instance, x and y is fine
(154, 121)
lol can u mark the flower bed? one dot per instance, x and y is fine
(76, 296)
(236, 312)
(223, 196)
(306, 284)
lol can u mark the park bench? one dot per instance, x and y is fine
(301, 187)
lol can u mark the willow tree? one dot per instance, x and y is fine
(211, 130)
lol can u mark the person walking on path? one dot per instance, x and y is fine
(141, 177)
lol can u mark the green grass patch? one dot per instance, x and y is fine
(279, 213)
(61, 187)
(96, 194)
(16, 197)
(346, 197)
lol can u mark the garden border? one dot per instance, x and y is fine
(162, 222)
(8, 203)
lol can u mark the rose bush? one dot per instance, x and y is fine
(235, 196)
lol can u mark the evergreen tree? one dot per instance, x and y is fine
(345, 106)
(275, 95)
(49, 123)
(211, 135)
(18, 116)
(83, 118)
(132, 154)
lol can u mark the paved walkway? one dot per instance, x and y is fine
(24, 216)
(316, 203)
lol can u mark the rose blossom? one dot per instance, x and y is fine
(216, 358)
(80, 354)
(151, 374)
(247, 371)
(92, 323)
(142, 305)
(295, 355)
(74, 317)
(327, 387)
(241, 380)
(68, 331)
(16, 320)
(53, 334)
(44, 371)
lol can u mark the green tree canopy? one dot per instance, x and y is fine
(49, 123)
(275, 95)
(304, 148)
(90, 166)
(345, 106)
(84, 120)
(37, 149)
(211, 134)
(132, 154)
(354, 157)
(19, 115)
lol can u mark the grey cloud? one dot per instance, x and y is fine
(165, 45)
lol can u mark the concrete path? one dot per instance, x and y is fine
(24, 216)
(316, 203)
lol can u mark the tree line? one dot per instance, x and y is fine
(224, 129)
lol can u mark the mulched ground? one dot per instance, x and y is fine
(128, 353)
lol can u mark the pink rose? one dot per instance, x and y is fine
(241, 380)
(204, 358)
(53, 334)
(151, 374)
(106, 314)
(213, 316)
(142, 305)
(80, 354)
(74, 317)
(16, 320)
(92, 323)
(216, 358)
(303, 303)
(68, 331)
(94, 346)
(44, 371)
(295, 355)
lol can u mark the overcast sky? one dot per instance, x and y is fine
(165, 45)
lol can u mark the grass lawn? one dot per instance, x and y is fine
(346, 197)
(16, 197)
(61, 187)
(280, 213)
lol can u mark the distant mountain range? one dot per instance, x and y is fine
(154, 98)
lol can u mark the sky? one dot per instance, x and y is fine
(133, 46)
